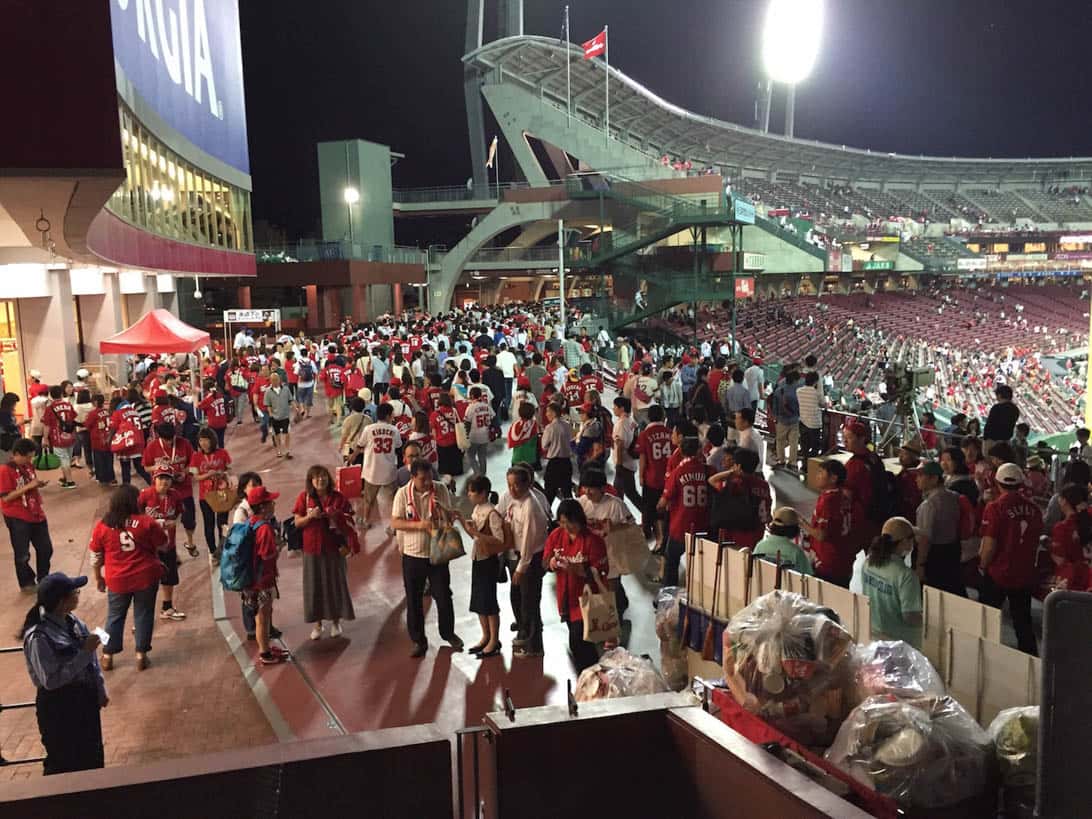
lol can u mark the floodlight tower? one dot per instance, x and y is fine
(790, 47)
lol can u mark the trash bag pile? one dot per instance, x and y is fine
(896, 668)
(619, 674)
(1015, 734)
(924, 752)
(788, 660)
(672, 651)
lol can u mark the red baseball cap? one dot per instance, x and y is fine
(857, 428)
(163, 472)
(257, 495)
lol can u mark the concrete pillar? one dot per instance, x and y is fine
(396, 298)
(101, 316)
(314, 319)
(169, 301)
(48, 330)
(331, 307)
(360, 303)
(139, 304)
(243, 298)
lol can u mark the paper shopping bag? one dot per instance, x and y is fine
(599, 612)
(348, 481)
(627, 550)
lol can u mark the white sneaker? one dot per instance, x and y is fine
(335, 629)
(172, 614)
(316, 632)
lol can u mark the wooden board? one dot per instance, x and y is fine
(987, 677)
(853, 610)
(941, 611)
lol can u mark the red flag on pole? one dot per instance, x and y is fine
(596, 45)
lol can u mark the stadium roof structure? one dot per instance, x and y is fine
(648, 123)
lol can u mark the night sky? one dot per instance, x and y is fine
(971, 78)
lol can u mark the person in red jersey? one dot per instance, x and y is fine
(433, 393)
(909, 495)
(832, 544)
(686, 494)
(860, 481)
(164, 413)
(59, 419)
(214, 406)
(654, 449)
(334, 377)
(422, 436)
(174, 452)
(97, 423)
(161, 503)
(210, 466)
(744, 479)
(124, 551)
(24, 514)
(127, 438)
(573, 551)
(1071, 541)
(1011, 526)
(261, 593)
(442, 422)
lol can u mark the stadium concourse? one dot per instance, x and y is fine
(206, 689)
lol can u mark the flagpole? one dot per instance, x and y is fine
(606, 78)
(568, 73)
(561, 272)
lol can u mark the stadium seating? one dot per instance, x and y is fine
(1004, 206)
(1061, 206)
(936, 253)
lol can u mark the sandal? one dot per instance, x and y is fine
(191, 549)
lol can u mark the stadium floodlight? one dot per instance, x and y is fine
(352, 196)
(791, 38)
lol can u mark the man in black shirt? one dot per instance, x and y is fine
(1001, 422)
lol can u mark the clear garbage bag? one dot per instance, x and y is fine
(1015, 733)
(893, 667)
(619, 674)
(926, 752)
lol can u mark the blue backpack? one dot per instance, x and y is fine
(237, 557)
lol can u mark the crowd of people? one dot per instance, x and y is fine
(664, 439)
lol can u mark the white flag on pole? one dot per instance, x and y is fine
(492, 153)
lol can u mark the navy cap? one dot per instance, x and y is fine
(55, 587)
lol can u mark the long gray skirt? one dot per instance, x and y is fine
(326, 588)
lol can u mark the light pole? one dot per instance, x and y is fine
(790, 47)
(352, 196)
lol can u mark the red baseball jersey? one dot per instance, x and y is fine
(443, 423)
(130, 562)
(1015, 523)
(174, 455)
(687, 493)
(654, 443)
(215, 409)
(27, 506)
(834, 514)
(164, 509)
(202, 463)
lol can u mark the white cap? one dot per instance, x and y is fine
(82, 373)
(1010, 475)
(35, 373)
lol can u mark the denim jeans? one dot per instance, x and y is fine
(103, 462)
(143, 603)
(23, 534)
(477, 458)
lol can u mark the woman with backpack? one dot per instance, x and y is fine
(125, 560)
(325, 519)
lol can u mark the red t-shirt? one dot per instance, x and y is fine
(1065, 544)
(1015, 523)
(859, 480)
(573, 392)
(122, 418)
(53, 415)
(317, 535)
(176, 456)
(215, 408)
(28, 507)
(588, 546)
(265, 555)
(834, 513)
(443, 423)
(167, 414)
(674, 460)
(432, 396)
(257, 391)
(130, 562)
(755, 486)
(654, 443)
(202, 462)
(165, 508)
(687, 493)
(333, 379)
(715, 377)
(590, 382)
(98, 424)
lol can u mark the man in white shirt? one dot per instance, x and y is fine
(747, 435)
(418, 507)
(753, 380)
(811, 417)
(506, 363)
(479, 417)
(524, 513)
(380, 443)
(625, 463)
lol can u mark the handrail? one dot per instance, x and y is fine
(312, 250)
(13, 707)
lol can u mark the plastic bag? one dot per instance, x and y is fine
(675, 670)
(926, 752)
(895, 668)
(1015, 733)
(787, 660)
(619, 674)
(667, 612)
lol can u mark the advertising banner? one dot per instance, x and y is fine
(745, 287)
(834, 260)
(971, 264)
(754, 261)
(252, 316)
(183, 57)
(743, 211)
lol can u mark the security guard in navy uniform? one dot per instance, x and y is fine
(63, 663)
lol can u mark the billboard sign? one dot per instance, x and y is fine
(252, 317)
(971, 264)
(745, 287)
(743, 211)
(184, 59)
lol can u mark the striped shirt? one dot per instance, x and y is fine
(808, 398)
(416, 543)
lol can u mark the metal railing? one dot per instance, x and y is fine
(314, 250)
(12, 707)
(514, 254)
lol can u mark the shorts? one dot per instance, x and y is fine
(305, 396)
(254, 599)
(169, 559)
(189, 514)
(64, 453)
(280, 426)
(370, 492)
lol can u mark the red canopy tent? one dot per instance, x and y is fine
(157, 332)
